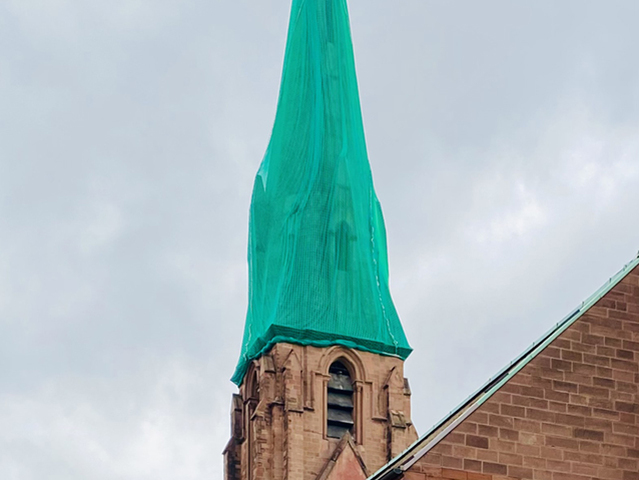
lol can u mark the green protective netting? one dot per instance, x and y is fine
(318, 268)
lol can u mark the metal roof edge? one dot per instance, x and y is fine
(413, 453)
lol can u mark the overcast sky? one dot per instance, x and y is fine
(504, 143)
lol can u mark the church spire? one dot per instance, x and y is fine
(318, 270)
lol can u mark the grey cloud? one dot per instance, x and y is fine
(503, 142)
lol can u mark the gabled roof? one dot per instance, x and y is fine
(400, 464)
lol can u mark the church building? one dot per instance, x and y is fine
(322, 393)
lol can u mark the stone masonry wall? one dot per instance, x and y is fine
(571, 414)
(287, 438)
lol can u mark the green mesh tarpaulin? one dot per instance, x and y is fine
(318, 269)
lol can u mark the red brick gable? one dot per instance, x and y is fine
(571, 413)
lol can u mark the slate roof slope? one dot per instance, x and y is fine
(430, 439)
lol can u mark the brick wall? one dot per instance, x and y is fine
(571, 414)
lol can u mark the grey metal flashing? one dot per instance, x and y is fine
(400, 464)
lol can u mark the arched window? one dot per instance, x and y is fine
(252, 397)
(340, 401)
(255, 388)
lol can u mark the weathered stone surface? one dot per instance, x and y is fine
(283, 429)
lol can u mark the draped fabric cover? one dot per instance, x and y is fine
(318, 268)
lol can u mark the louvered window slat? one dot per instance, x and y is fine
(339, 402)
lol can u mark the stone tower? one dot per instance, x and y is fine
(322, 394)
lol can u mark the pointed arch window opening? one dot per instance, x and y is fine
(340, 416)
